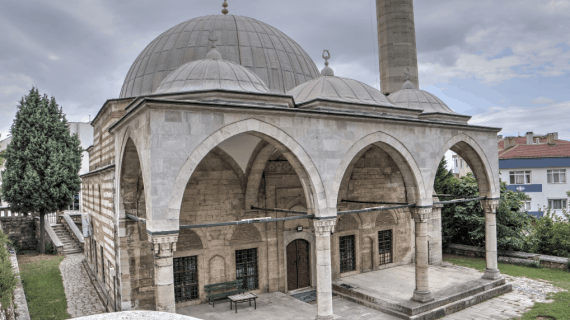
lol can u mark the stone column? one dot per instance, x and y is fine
(490, 208)
(164, 247)
(421, 218)
(323, 229)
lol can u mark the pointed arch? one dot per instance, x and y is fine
(292, 150)
(130, 136)
(415, 187)
(468, 149)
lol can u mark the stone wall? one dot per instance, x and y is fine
(21, 231)
(99, 247)
(373, 176)
(514, 257)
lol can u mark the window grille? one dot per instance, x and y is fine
(519, 177)
(94, 252)
(246, 268)
(347, 254)
(556, 176)
(385, 246)
(102, 264)
(185, 278)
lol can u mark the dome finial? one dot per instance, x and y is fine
(408, 84)
(225, 5)
(214, 54)
(327, 71)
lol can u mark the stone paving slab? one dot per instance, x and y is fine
(277, 305)
(82, 299)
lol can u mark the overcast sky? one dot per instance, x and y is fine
(505, 62)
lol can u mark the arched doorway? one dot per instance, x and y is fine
(298, 264)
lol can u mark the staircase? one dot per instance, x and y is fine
(70, 245)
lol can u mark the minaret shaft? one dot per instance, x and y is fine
(396, 43)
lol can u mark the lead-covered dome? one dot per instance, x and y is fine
(432, 106)
(338, 89)
(278, 60)
(212, 74)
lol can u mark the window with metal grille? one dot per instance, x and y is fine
(185, 278)
(385, 246)
(347, 254)
(246, 268)
(102, 264)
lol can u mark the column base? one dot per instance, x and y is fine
(422, 296)
(492, 274)
(331, 317)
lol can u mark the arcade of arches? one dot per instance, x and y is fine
(273, 256)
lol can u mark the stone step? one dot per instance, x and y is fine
(71, 252)
(70, 245)
(435, 309)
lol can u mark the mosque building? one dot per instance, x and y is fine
(228, 156)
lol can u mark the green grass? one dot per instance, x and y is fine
(44, 290)
(559, 309)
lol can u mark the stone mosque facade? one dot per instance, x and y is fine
(224, 119)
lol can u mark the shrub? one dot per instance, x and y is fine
(551, 235)
(8, 279)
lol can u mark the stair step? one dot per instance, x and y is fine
(435, 312)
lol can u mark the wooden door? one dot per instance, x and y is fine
(298, 265)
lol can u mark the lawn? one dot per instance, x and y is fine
(559, 309)
(43, 286)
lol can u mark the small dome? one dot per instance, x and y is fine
(418, 99)
(210, 74)
(338, 89)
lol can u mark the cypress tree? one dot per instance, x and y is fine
(442, 177)
(42, 161)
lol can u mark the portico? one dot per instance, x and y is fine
(218, 173)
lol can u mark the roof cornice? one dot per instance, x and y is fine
(143, 102)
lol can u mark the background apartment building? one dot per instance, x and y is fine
(534, 164)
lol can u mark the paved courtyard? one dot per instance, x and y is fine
(277, 305)
(82, 299)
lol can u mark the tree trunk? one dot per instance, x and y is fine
(42, 232)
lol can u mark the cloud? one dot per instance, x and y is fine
(81, 53)
(542, 100)
(492, 41)
(514, 119)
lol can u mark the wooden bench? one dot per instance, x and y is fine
(234, 287)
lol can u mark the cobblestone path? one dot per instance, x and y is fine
(510, 305)
(82, 299)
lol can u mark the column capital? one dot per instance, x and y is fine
(491, 205)
(324, 227)
(163, 245)
(422, 214)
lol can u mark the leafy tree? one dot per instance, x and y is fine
(442, 176)
(464, 223)
(42, 161)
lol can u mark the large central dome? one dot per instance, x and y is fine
(278, 60)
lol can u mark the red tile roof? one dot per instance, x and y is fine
(561, 148)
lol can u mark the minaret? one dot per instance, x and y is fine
(396, 44)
